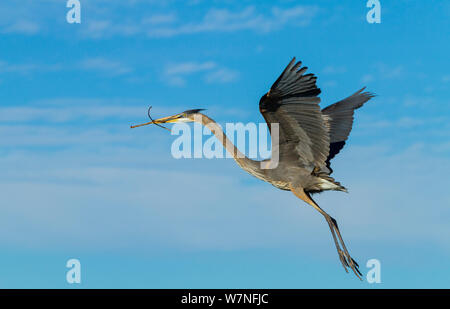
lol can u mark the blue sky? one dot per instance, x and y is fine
(76, 182)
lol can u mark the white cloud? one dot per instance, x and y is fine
(214, 20)
(97, 29)
(105, 65)
(49, 112)
(389, 72)
(27, 68)
(22, 27)
(21, 68)
(222, 76)
(64, 113)
(159, 19)
(330, 83)
(189, 67)
(383, 71)
(224, 20)
(334, 69)
(106, 19)
(175, 74)
(367, 78)
(413, 100)
(176, 81)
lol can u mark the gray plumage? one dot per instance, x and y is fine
(340, 115)
(308, 137)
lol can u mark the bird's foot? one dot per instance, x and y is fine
(343, 260)
(349, 262)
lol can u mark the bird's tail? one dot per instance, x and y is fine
(328, 183)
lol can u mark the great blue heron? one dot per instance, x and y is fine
(308, 139)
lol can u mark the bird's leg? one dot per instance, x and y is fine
(352, 263)
(336, 243)
(344, 256)
(338, 248)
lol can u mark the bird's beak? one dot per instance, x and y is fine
(170, 119)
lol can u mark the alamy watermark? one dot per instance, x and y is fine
(374, 14)
(74, 14)
(374, 274)
(73, 275)
(220, 143)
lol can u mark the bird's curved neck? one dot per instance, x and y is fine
(251, 166)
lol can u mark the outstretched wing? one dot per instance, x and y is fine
(292, 102)
(339, 117)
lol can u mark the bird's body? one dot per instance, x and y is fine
(308, 138)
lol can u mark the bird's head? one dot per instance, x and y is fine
(186, 116)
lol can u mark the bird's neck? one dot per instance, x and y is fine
(249, 165)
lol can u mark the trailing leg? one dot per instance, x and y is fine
(344, 256)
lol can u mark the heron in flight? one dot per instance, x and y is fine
(308, 139)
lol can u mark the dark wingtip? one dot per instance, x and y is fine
(367, 93)
(194, 111)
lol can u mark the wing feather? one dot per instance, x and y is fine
(292, 102)
(341, 113)
(339, 119)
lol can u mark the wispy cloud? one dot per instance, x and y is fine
(388, 71)
(22, 27)
(11, 68)
(224, 20)
(213, 20)
(415, 101)
(222, 76)
(189, 68)
(406, 122)
(64, 113)
(159, 19)
(59, 111)
(176, 74)
(105, 22)
(97, 64)
(367, 78)
(330, 83)
(27, 68)
(105, 28)
(383, 71)
(105, 65)
(331, 69)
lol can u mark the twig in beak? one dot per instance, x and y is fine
(148, 113)
(151, 122)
